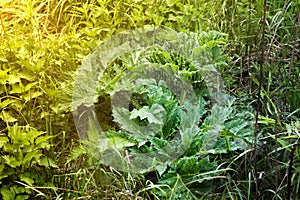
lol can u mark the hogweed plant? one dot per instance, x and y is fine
(175, 126)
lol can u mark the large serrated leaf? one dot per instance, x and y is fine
(154, 115)
(192, 165)
(122, 117)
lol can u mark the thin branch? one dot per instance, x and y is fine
(297, 21)
(258, 108)
(290, 170)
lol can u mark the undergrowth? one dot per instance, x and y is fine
(43, 43)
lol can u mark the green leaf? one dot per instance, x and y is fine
(6, 102)
(192, 165)
(47, 162)
(122, 117)
(142, 113)
(93, 132)
(20, 88)
(119, 142)
(26, 177)
(76, 152)
(12, 161)
(4, 77)
(31, 156)
(3, 140)
(7, 117)
(22, 197)
(161, 168)
(42, 139)
(155, 114)
(169, 178)
(3, 174)
(12, 79)
(31, 95)
(7, 194)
